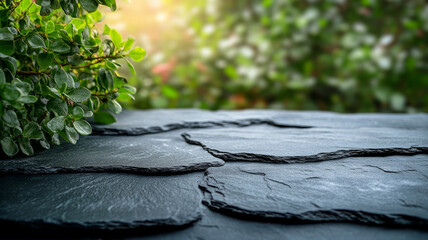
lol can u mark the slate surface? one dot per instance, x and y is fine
(102, 183)
(289, 145)
(164, 153)
(217, 226)
(333, 120)
(99, 201)
(156, 121)
(381, 191)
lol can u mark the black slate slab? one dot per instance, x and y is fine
(165, 153)
(142, 122)
(333, 120)
(390, 191)
(288, 145)
(98, 202)
(217, 226)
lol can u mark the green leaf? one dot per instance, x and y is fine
(128, 44)
(72, 135)
(78, 113)
(2, 78)
(7, 47)
(60, 46)
(6, 36)
(82, 127)
(45, 60)
(56, 124)
(23, 87)
(79, 94)
(105, 78)
(114, 106)
(10, 93)
(57, 106)
(55, 139)
(50, 27)
(107, 30)
(10, 119)
(35, 41)
(128, 89)
(137, 54)
(9, 146)
(131, 67)
(32, 130)
(25, 146)
(62, 77)
(45, 144)
(89, 5)
(28, 99)
(116, 38)
(104, 118)
(76, 59)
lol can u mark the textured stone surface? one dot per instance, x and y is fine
(333, 120)
(163, 153)
(217, 226)
(289, 145)
(99, 201)
(156, 121)
(382, 191)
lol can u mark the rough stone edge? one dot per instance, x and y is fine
(253, 157)
(136, 131)
(152, 171)
(321, 216)
(50, 228)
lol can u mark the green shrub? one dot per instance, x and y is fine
(56, 70)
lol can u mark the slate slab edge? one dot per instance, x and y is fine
(253, 157)
(135, 131)
(322, 216)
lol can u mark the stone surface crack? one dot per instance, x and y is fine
(388, 171)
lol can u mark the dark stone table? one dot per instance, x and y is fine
(253, 174)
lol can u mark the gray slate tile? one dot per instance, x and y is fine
(290, 145)
(379, 191)
(99, 201)
(164, 153)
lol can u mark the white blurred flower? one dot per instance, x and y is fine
(206, 52)
(386, 39)
(247, 52)
(208, 29)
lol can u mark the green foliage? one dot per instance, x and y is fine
(56, 70)
(345, 56)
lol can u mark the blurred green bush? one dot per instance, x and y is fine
(339, 55)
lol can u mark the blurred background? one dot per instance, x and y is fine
(337, 55)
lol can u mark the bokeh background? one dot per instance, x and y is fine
(337, 55)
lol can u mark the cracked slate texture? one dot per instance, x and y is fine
(99, 201)
(217, 226)
(164, 153)
(161, 120)
(390, 191)
(332, 119)
(289, 145)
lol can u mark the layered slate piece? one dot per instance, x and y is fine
(289, 145)
(218, 226)
(381, 191)
(164, 153)
(98, 201)
(157, 121)
(331, 119)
